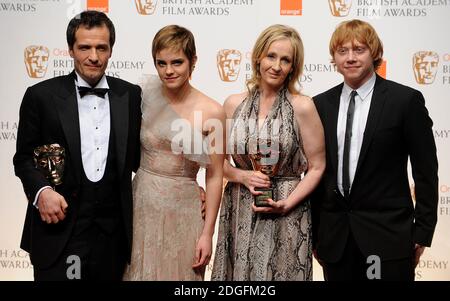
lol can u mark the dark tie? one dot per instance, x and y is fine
(100, 92)
(348, 137)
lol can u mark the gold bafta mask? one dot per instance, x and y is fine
(264, 155)
(425, 65)
(340, 8)
(229, 64)
(146, 7)
(36, 60)
(49, 159)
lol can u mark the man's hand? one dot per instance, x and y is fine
(52, 206)
(418, 251)
(203, 199)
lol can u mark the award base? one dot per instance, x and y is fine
(261, 200)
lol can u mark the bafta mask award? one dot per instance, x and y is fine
(49, 159)
(264, 156)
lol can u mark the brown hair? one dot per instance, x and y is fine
(177, 38)
(89, 19)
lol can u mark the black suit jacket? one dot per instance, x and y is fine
(379, 212)
(49, 114)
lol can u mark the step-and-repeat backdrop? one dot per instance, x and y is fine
(33, 48)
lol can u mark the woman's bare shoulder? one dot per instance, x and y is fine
(302, 104)
(232, 102)
(209, 106)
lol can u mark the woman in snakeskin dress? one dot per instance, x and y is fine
(274, 242)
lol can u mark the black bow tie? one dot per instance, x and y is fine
(100, 92)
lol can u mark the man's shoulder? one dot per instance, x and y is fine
(328, 93)
(50, 83)
(392, 85)
(402, 94)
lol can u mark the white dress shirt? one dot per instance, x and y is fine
(362, 106)
(95, 126)
(94, 118)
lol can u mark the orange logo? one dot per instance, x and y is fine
(340, 8)
(229, 64)
(291, 7)
(381, 71)
(36, 60)
(146, 7)
(425, 65)
(99, 5)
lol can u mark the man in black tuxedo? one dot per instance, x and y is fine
(363, 205)
(96, 118)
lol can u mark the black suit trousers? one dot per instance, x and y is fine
(102, 257)
(353, 266)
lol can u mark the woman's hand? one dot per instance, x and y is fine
(253, 179)
(281, 207)
(203, 251)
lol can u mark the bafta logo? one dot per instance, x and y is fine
(49, 159)
(36, 60)
(425, 65)
(229, 64)
(340, 8)
(146, 7)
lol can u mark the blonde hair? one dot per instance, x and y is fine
(266, 38)
(361, 31)
(176, 38)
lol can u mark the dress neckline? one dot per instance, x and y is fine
(272, 111)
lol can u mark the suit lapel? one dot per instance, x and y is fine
(67, 107)
(331, 124)
(375, 111)
(119, 122)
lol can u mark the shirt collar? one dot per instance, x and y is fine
(363, 91)
(103, 83)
